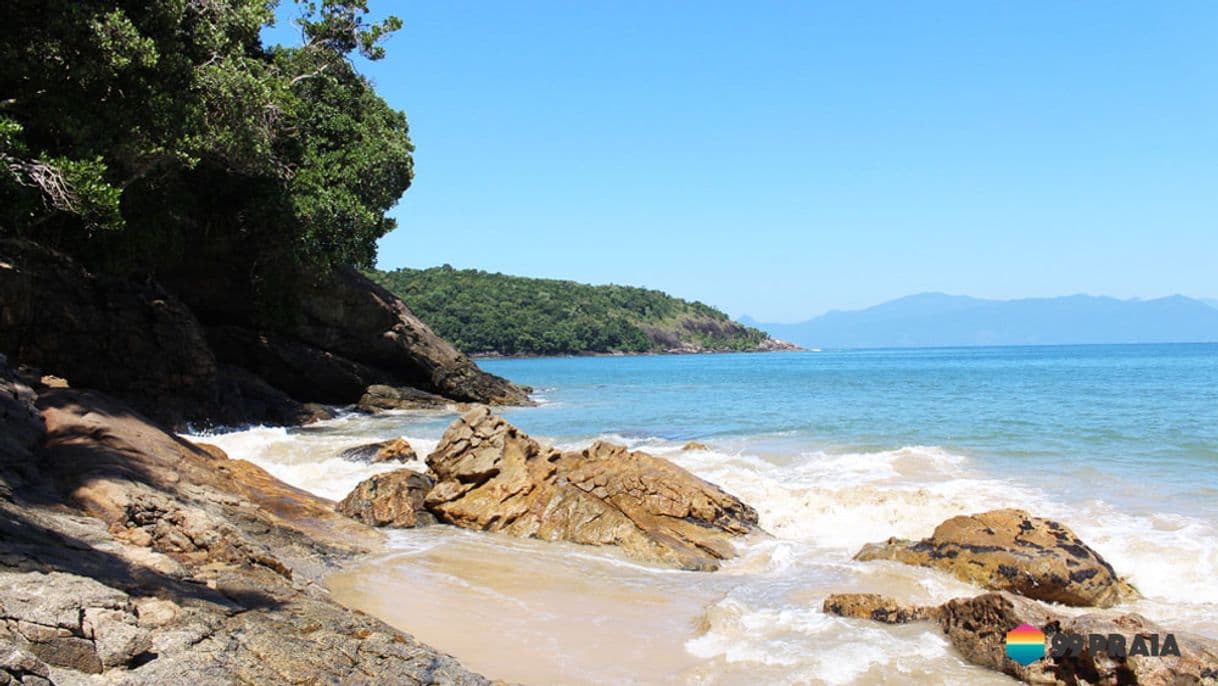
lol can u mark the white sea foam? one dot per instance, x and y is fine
(812, 647)
(819, 506)
(311, 460)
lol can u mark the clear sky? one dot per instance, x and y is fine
(784, 158)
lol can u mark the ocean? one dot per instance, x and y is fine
(834, 449)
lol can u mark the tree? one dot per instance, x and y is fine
(142, 134)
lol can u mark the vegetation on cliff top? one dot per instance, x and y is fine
(142, 137)
(481, 312)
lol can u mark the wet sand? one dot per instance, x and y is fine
(551, 613)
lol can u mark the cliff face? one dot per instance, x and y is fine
(141, 342)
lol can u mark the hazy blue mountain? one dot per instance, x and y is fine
(1212, 302)
(935, 319)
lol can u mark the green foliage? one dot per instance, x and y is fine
(480, 312)
(341, 28)
(141, 135)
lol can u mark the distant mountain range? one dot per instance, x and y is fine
(936, 319)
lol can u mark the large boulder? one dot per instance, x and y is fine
(977, 628)
(492, 477)
(394, 499)
(1010, 550)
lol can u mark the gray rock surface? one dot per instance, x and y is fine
(140, 342)
(131, 556)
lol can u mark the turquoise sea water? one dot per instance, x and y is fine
(834, 450)
(1073, 419)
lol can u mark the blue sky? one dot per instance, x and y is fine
(784, 158)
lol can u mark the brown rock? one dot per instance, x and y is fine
(876, 607)
(394, 499)
(694, 445)
(392, 450)
(977, 627)
(492, 477)
(1011, 550)
(379, 397)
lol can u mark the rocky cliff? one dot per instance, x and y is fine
(196, 353)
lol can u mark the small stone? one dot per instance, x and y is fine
(156, 612)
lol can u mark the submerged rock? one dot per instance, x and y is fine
(876, 607)
(694, 445)
(492, 477)
(1010, 550)
(392, 450)
(395, 499)
(977, 628)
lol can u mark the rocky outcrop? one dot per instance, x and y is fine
(977, 628)
(395, 499)
(393, 450)
(381, 397)
(138, 341)
(347, 334)
(774, 345)
(349, 315)
(133, 339)
(1010, 550)
(131, 554)
(492, 477)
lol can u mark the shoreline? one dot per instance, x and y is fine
(651, 353)
(136, 556)
(474, 596)
(432, 574)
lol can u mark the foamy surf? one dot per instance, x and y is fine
(758, 618)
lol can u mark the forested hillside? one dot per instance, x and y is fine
(481, 312)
